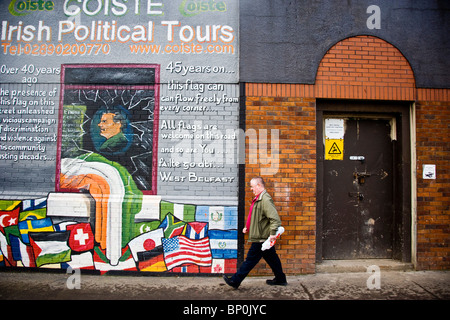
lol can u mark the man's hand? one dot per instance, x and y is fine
(272, 238)
(244, 230)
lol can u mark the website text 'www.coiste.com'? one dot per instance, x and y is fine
(185, 48)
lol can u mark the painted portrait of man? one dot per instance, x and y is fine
(118, 121)
(111, 125)
(111, 131)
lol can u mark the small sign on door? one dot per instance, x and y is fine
(334, 129)
(334, 139)
(334, 149)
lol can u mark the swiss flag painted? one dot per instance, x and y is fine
(81, 237)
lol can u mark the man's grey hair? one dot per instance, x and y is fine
(259, 180)
(119, 117)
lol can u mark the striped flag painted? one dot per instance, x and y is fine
(183, 212)
(152, 261)
(50, 247)
(196, 230)
(180, 250)
(21, 252)
(223, 243)
(218, 218)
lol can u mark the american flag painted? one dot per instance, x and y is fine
(180, 250)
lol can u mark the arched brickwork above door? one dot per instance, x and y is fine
(364, 67)
(360, 67)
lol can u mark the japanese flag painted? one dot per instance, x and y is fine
(146, 242)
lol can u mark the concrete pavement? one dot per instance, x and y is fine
(385, 285)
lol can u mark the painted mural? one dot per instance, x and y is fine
(59, 231)
(117, 119)
(118, 126)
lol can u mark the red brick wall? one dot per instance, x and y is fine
(361, 67)
(433, 196)
(293, 186)
(365, 67)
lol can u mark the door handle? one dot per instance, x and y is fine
(358, 195)
(361, 176)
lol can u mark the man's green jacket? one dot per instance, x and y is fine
(264, 219)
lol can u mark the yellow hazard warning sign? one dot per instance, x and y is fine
(334, 149)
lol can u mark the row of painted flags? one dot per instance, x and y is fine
(204, 242)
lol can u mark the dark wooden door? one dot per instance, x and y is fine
(358, 193)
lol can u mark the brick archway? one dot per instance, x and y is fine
(364, 67)
(360, 67)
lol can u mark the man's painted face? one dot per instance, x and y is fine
(109, 128)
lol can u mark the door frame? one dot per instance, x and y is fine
(402, 165)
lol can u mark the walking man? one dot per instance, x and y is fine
(262, 222)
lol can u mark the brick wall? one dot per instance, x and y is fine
(433, 196)
(362, 67)
(293, 186)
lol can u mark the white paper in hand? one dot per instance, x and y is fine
(269, 244)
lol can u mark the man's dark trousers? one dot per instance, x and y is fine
(253, 256)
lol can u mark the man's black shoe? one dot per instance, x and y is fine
(229, 282)
(276, 283)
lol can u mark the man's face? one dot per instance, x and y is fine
(109, 128)
(256, 188)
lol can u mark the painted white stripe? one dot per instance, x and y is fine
(51, 247)
(223, 244)
(71, 167)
